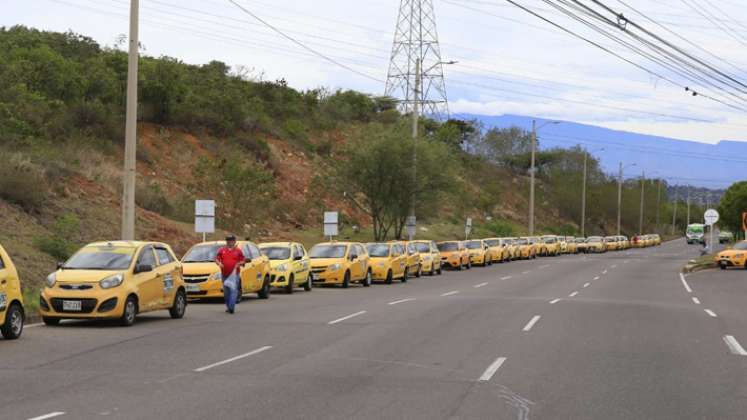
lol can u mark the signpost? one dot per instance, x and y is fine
(711, 217)
(744, 224)
(331, 224)
(204, 217)
(411, 225)
(467, 228)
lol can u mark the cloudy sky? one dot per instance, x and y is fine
(508, 60)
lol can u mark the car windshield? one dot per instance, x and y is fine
(328, 251)
(549, 240)
(741, 246)
(378, 250)
(202, 253)
(474, 245)
(423, 247)
(521, 242)
(101, 258)
(275, 253)
(594, 239)
(448, 246)
(493, 242)
(694, 229)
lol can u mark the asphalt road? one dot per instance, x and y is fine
(613, 336)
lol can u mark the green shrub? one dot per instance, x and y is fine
(61, 243)
(500, 228)
(152, 198)
(255, 145)
(22, 182)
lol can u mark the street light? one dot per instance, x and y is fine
(583, 192)
(619, 193)
(532, 170)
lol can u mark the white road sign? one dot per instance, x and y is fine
(331, 223)
(711, 217)
(204, 216)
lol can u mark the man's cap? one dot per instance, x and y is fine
(231, 237)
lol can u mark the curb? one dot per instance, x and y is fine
(691, 268)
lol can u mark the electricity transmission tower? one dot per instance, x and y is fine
(416, 76)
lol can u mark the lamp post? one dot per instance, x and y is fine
(583, 193)
(532, 171)
(619, 194)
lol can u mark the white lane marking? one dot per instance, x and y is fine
(711, 313)
(233, 359)
(505, 277)
(586, 285)
(531, 322)
(734, 345)
(346, 317)
(696, 301)
(604, 272)
(554, 301)
(526, 272)
(684, 283)
(49, 416)
(573, 294)
(453, 292)
(401, 301)
(492, 369)
(33, 325)
(614, 266)
(596, 278)
(543, 266)
(477, 286)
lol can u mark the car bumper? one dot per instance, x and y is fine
(93, 306)
(451, 262)
(207, 289)
(328, 277)
(379, 273)
(477, 259)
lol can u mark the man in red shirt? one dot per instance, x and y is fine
(230, 259)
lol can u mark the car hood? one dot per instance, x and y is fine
(194, 268)
(83, 276)
(731, 252)
(323, 262)
(276, 263)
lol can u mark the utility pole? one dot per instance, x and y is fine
(415, 122)
(688, 204)
(531, 178)
(583, 198)
(130, 156)
(643, 184)
(658, 205)
(674, 213)
(619, 197)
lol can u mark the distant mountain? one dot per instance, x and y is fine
(682, 162)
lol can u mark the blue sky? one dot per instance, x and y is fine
(509, 61)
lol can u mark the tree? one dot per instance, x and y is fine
(732, 204)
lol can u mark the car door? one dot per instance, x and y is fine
(400, 260)
(250, 272)
(4, 287)
(301, 262)
(355, 262)
(168, 272)
(148, 285)
(363, 260)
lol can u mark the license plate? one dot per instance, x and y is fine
(192, 288)
(72, 305)
(314, 276)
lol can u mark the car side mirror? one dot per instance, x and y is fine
(298, 257)
(353, 257)
(143, 268)
(60, 265)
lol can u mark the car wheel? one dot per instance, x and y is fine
(264, 292)
(469, 264)
(440, 270)
(13, 326)
(291, 285)
(405, 275)
(368, 280)
(50, 321)
(346, 280)
(419, 272)
(389, 277)
(433, 270)
(309, 284)
(722, 266)
(461, 266)
(129, 313)
(179, 307)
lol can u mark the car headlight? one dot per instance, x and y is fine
(334, 267)
(216, 276)
(282, 267)
(111, 281)
(738, 255)
(51, 279)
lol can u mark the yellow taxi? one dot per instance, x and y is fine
(571, 247)
(388, 261)
(611, 243)
(562, 244)
(478, 252)
(414, 265)
(430, 258)
(538, 246)
(734, 257)
(524, 249)
(595, 244)
(498, 249)
(657, 239)
(202, 275)
(552, 245)
(581, 245)
(12, 314)
(289, 265)
(340, 263)
(115, 280)
(454, 255)
(515, 249)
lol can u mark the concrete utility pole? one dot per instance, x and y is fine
(619, 195)
(658, 205)
(674, 213)
(415, 122)
(688, 205)
(643, 184)
(531, 179)
(583, 194)
(128, 194)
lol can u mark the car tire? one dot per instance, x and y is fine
(179, 307)
(419, 272)
(722, 266)
(291, 285)
(405, 275)
(129, 313)
(469, 265)
(13, 327)
(368, 280)
(264, 292)
(433, 270)
(50, 321)
(461, 266)
(440, 270)
(309, 284)
(389, 277)
(346, 280)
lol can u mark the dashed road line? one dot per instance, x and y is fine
(711, 313)
(586, 285)
(596, 278)
(573, 294)
(543, 266)
(614, 266)
(477, 286)
(696, 300)
(49, 416)
(492, 369)
(531, 323)
(604, 272)
(233, 359)
(684, 283)
(734, 345)
(526, 272)
(554, 301)
(505, 277)
(401, 301)
(453, 292)
(346, 317)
